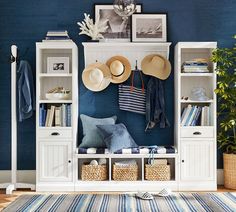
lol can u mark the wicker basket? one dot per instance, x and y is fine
(230, 171)
(159, 172)
(125, 173)
(94, 172)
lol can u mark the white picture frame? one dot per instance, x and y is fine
(149, 28)
(58, 65)
(106, 10)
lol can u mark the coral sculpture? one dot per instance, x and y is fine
(93, 30)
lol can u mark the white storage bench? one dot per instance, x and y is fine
(141, 155)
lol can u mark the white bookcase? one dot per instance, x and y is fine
(196, 144)
(56, 144)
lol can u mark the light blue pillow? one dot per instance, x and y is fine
(116, 137)
(92, 137)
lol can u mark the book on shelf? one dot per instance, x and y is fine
(57, 38)
(42, 115)
(195, 116)
(195, 70)
(194, 111)
(63, 115)
(68, 116)
(185, 115)
(51, 116)
(47, 117)
(195, 66)
(196, 62)
(57, 32)
(57, 35)
(59, 116)
(205, 120)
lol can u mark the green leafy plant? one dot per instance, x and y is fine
(226, 92)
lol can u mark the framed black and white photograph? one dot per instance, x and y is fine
(58, 65)
(149, 28)
(119, 29)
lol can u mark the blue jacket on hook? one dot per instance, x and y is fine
(155, 104)
(26, 93)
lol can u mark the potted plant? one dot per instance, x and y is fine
(226, 92)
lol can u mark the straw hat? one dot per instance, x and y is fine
(96, 77)
(120, 69)
(156, 66)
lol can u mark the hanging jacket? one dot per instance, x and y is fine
(155, 104)
(26, 94)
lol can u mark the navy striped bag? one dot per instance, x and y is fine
(133, 99)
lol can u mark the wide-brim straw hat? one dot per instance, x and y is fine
(120, 69)
(96, 77)
(157, 66)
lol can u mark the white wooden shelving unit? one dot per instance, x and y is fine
(140, 184)
(133, 51)
(193, 166)
(196, 144)
(56, 145)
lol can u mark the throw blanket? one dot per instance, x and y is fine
(139, 150)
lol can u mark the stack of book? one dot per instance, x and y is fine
(195, 66)
(195, 116)
(57, 35)
(55, 116)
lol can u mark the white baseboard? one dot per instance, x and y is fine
(28, 176)
(23, 176)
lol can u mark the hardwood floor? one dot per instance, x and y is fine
(7, 199)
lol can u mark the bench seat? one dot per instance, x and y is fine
(138, 150)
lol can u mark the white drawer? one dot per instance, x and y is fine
(197, 132)
(55, 133)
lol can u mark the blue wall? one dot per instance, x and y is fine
(25, 22)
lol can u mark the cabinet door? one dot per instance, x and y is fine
(55, 162)
(197, 160)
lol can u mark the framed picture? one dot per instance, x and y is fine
(58, 65)
(149, 28)
(118, 30)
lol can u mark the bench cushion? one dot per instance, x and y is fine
(136, 150)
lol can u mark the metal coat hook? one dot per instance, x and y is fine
(136, 66)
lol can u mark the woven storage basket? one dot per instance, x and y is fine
(125, 173)
(94, 172)
(160, 172)
(230, 171)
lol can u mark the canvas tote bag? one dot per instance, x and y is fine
(131, 98)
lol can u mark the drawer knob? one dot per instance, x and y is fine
(197, 133)
(55, 133)
(182, 161)
(69, 161)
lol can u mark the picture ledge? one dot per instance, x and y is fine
(125, 44)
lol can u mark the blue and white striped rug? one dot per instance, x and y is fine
(111, 203)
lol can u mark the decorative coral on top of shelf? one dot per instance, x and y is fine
(93, 30)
